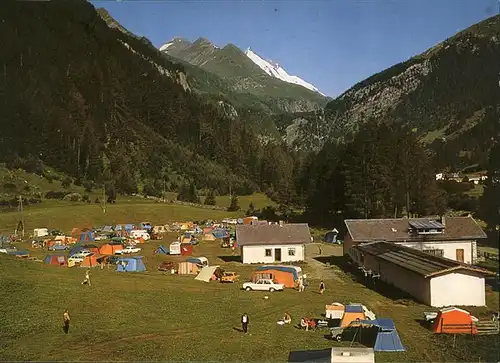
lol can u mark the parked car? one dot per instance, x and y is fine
(263, 285)
(8, 250)
(229, 277)
(128, 250)
(166, 266)
(78, 257)
(58, 248)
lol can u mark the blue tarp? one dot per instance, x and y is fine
(145, 226)
(387, 337)
(352, 308)
(118, 227)
(280, 268)
(107, 229)
(19, 253)
(129, 227)
(161, 249)
(130, 264)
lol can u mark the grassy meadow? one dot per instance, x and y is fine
(157, 316)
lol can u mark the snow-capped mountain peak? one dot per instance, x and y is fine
(275, 70)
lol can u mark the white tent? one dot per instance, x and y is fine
(206, 273)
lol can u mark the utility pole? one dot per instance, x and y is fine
(21, 210)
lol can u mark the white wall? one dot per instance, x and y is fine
(450, 248)
(460, 289)
(257, 254)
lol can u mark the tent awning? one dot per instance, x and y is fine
(206, 273)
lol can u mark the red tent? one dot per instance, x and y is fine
(454, 321)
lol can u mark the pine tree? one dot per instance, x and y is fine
(210, 198)
(251, 209)
(234, 206)
(490, 200)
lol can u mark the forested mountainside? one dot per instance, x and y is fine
(100, 104)
(241, 76)
(449, 95)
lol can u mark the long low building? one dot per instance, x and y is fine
(451, 237)
(433, 280)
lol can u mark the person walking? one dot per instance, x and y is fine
(320, 250)
(244, 322)
(66, 320)
(87, 278)
(321, 287)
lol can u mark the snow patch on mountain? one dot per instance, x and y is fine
(165, 46)
(276, 71)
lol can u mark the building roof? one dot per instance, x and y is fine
(417, 261)
(398, 230)
(254, 235)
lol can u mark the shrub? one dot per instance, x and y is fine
(73, 197)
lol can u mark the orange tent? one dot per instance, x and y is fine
(454, 321)
(89, 261)
(108, 249)
(76, 232)
(352, 313)
(281, 277)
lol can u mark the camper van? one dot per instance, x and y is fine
(175, 248)
(40, 232)
(140, 233)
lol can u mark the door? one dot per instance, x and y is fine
(460, 254)
(277, 254)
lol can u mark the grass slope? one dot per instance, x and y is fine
(154, 316)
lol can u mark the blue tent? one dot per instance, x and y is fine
(129, 227)
(220, 233)
(107, 229)
(331, 237)
(240, 221)
(145, 226)
(75, 249)
(130, 264)
(387, 337)
(87, 236)
(280, 268)
(162, 250)
(118, 227)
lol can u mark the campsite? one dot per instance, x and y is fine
(157, 315)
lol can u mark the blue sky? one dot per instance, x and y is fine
(332, 44)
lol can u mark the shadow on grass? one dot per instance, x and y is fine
(424, 323)
(238, 329)
(230, 258)
(345, 264)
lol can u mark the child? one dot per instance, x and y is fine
(321, 287)
(66, 321)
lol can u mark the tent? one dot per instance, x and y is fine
(331, 237)
(277, 275)
(352, 312)
(58, 260)
(387, 336)
(290, 269)
(220, 233)
(454, 321)
(87, 236)
(206, 273)
(109, 249)
(188, 268)
(186, 249)
(107, 229)
(75, 249)
(162, 250)
(207, 230)
(334, 311)
(209, 237)
(130, 264)
(89, 261)
(129, 227)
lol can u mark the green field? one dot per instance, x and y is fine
(155, 316)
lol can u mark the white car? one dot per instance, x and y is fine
(128, 250)
(78, 257)
(263, 285)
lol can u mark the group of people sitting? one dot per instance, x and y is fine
(305, 323)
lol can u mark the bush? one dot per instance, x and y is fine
(234, 206)
(73, 197)
(65, 183)
(88, 185)
(86, 198)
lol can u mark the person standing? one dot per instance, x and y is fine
(66, 320)
(87, 278)
(320, 250)
(321, 287)
(244, 322)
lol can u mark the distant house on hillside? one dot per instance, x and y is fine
(266, 243)
(433, 280)
(451, 237)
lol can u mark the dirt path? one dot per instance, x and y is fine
(317, 269)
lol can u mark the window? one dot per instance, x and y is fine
(269, 252)
(435, 252)
(291, 252)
